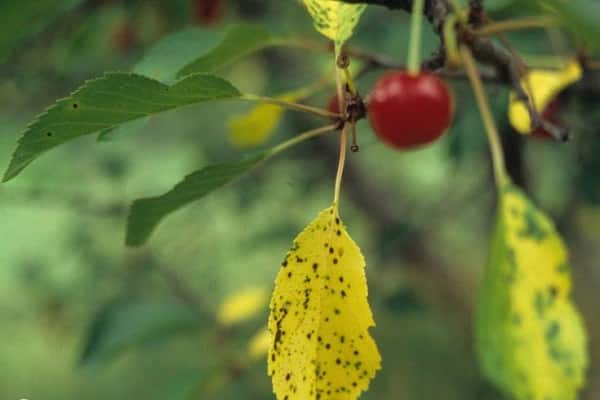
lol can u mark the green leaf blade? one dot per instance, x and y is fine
(239, 41)
(107, 102)
(146, 214)
(164, 59)
(122, 325)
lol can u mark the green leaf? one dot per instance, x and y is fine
(145, 214)
(125, 129)
(582, 16)
(107, 102)
(19, 20)
(239, 41)
(161, 62)
(531, 341)
(174, 51)
(121, 325)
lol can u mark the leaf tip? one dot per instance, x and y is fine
(137, 233)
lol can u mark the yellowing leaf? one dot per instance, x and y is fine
(334, 19)
(257, 126)
(545, 85)
(242, 305)
(530, 337)
(320, 317)
(259, 344)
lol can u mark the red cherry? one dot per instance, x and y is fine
(124, 37)
(207, 12)
(407, 110)
(551, 113)
(333, 105)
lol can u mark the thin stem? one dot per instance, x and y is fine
(341, 164)
(349, 81)
(343, 139)
(310, 89)
(321, 112)
(449, 31)
(519, 24)
(414, 49)
(301, 138)
(486, 115)
(458, 12)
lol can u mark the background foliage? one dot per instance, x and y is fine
(85, 317)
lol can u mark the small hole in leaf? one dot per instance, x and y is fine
(75, 105)
(49, 134)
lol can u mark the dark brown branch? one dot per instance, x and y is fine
(405, 5)
(476, 13)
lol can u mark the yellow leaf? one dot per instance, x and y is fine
(545, 86)
(259, 344)
(334, 19)
(530, 337)
(258, 125)
(320, 317)
(242, 305)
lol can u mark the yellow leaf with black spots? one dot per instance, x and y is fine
(320, 318)
(542, 86)
(334, 19)
(531, 340)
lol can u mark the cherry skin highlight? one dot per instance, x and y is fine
(410, 110)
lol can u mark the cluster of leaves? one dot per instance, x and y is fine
(531, 339)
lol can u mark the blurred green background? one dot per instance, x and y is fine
(83, 317)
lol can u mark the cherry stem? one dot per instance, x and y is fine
(519, 24)
(301, 138)
(321, 112)
(491, 130)
(341, 164)
(354, 148)
(310, 89)
(343, 139)
(414, 46)
(350, 81)
(451, 42)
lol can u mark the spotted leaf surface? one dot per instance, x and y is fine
(334, 19)
(320, 317)
(544, 86)
(530, 337)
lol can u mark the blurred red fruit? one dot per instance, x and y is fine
(333, 105)
(207, 12)
(124, 37)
